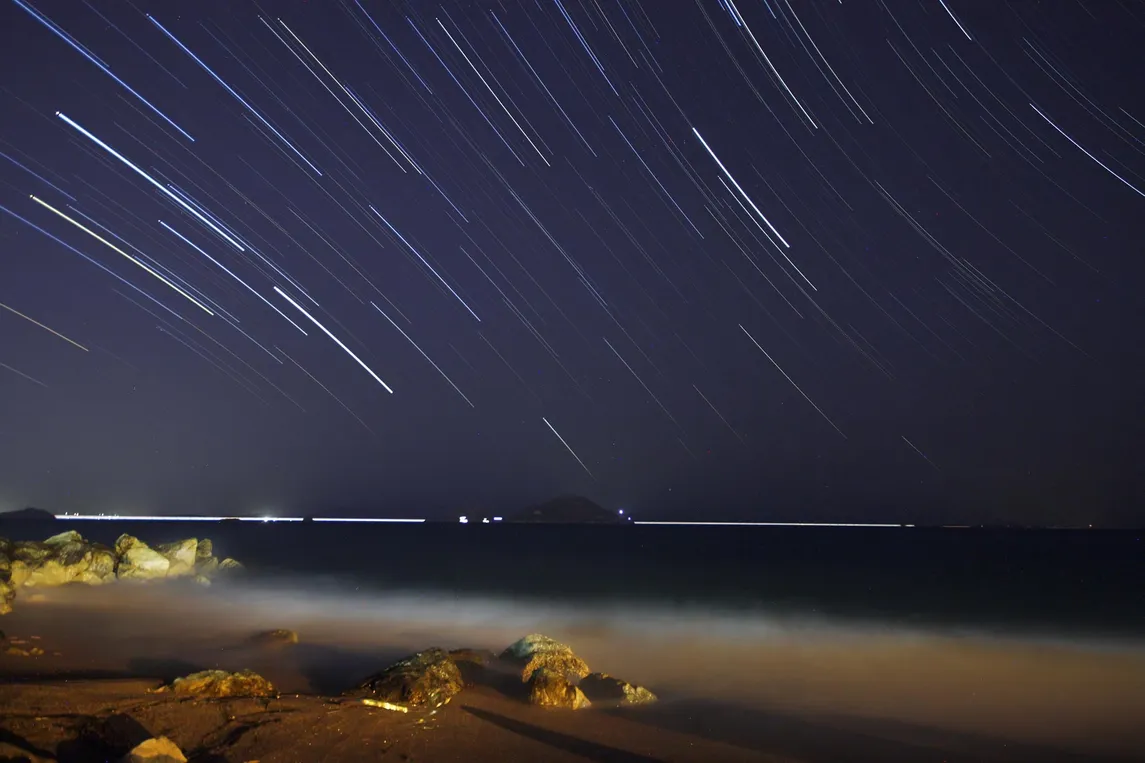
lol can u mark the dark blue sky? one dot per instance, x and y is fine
(769, 260)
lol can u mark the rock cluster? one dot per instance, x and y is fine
(69, 558)
(553, 674)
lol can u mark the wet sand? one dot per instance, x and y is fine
(730, 690)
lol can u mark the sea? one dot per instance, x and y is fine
(1028, 643)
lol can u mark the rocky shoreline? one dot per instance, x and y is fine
(535, 670)
(68, 558)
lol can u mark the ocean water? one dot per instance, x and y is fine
(1022, 638)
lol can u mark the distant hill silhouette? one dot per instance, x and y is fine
(568, 509)
(28, 515)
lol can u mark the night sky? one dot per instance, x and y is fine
(766, 259)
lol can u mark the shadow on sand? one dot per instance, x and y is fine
(813, 741)
(598, 753)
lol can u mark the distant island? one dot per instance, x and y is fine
(28, 514)
(569, 509)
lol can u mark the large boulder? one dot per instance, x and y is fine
(220, 683)
(538, 651)
(601, 687)
(552, 688)
(181, 556)
(138, 561)
(425, 679)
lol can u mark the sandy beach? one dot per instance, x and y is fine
(858, 698)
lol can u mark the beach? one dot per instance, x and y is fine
(729, 690)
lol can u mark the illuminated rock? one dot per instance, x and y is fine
(181, 555)
(220, 683)
(155, 750)
(138, 561)
(601, 687)
(551, 688)
(538, 651)
(426, 679)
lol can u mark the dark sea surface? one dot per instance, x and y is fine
(1056, 582)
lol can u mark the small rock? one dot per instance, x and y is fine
(220, 683)
(229, 566)
(156, 750)
(537, 651)
(551, 688)
(601, 687)
(425, 679)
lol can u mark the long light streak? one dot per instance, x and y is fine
(228, 271)
(149, 179)
(491, 91)
(570, 450)
(337, 341)
(84, 52)
(427, 357)
(230, 90)
(45, 328)
(98, 264)
(793, 384)
(425, 262)
(116, 249)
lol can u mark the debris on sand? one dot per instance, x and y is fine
(220, 683)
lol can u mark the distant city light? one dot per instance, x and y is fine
(465, 520)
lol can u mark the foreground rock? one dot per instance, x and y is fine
(216, 684)
(601, 687)
(426, 679)
(69, 558)
(552, 688)
(156, 750)
(536, 651)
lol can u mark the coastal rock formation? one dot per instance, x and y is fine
(601, 687)
(219, 683)
(68, 558)
(538, 651)
(155, 750)
(552, 688)
(426, 679)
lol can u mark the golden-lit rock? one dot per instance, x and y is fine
(426, 679)
(537, 651)
(155, 750)
(550, 688)
(601, 687)
(220, 683)
(181, 556)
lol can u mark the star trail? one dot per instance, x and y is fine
(785, 260)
